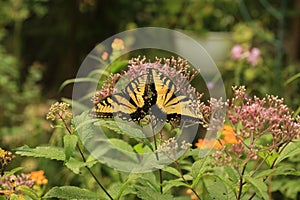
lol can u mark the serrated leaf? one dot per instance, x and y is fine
(50, 152)
(70, 142)
(269, 158)
(217, 189)
(84, 127)
(75, 165)
(121, 144)
(174, 183)
(259, 186)
(198, 169)
(281, 170)
(130, 130)
(139, 148)
(126, 187)
(231, 173)
(70, 192)
(292, 149)
(172, 170)
(148, 180)
(147, 193)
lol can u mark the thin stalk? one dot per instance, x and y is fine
(185, 181)
(272, 166)
(84, 160)
(241, 182)
(157, 158)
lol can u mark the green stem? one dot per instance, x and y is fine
(84, 160)
(157, 158)
(184, 180)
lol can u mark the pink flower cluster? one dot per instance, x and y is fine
(254, 120)
(261, 116)
(108, 88)
(239, 53)
(178, 70)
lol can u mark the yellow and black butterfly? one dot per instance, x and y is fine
(150, 94)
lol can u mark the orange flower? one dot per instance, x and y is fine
(38, 177)
(207, 143)
(104, 55)
(118, 44)
(227, 137)
(189, 191)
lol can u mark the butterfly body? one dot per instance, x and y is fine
(150, 94)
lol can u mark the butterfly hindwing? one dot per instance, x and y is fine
(175, 105)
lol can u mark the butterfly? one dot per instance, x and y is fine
(151, 94)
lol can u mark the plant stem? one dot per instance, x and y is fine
(84, 160)
(185, 181)
(241, 182)
(157, 158)
(272, 166)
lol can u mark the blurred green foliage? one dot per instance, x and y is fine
(20, 93)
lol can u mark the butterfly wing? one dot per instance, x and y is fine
(152, 91)
(129, 104)
(171, 103)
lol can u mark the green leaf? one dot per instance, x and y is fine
(50, 152)
(71, 192)
(121, 144)
(198, 169)
(116, 66)
(259, 186)
(29, 192)
(84, 127)
(147, 193)
(127, 187)
(148, 180)
(293, 78)
(231, 173)
(120, 127)
(174, 183)
(217, 189)
(77, 80)
(270, 158)
(139, 148)
(281, 170)
(70, 142)
(292, 149)
(75, 165)
(172, 170)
